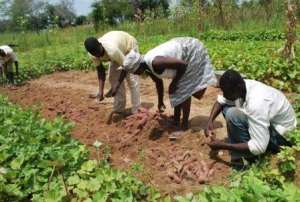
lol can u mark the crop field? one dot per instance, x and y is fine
(56, 143)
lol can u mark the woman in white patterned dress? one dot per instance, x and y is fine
(184, 60)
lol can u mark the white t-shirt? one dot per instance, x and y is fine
(10, 55)
(264, 106)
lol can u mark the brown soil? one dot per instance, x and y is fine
(149, 149)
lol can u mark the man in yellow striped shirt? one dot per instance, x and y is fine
(112, 47)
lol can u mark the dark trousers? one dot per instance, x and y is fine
(237, 128)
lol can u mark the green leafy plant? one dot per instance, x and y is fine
(287, 159)
(39, 161)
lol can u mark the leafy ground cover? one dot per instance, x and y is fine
(253, 53)
(40, 161)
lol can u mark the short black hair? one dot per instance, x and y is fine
(92, 45)
(232, 82)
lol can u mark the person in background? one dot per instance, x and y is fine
(184, 60)
(112, 47)
(7, 59)
(258, 117)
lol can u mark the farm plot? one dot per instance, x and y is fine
(144, 149)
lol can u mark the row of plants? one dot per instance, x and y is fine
(258, 60)
(39, 161)
(263, 35)
(26, 41)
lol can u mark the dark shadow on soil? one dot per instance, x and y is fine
(147, 105)
(156, 133)
(198, 123)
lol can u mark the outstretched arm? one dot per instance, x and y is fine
(114, 90)
(217, 145)
(1, 71)
(216, 110)
(17, 67)
(101, 78)
(160, 92)
(161, 63)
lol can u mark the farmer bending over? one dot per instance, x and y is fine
(258, 116)
(112, 47)
(7, 58)
(184, 60)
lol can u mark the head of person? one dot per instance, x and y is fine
(134, 63)
(233, 85)
(94, 47)
(2, 53)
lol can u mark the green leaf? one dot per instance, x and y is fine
(17, 162)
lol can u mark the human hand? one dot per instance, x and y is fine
(216, 144)
(161, 107)
(209, 130)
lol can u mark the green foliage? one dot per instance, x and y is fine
(288, 156)
(257, 60)
(33, 149)
(296, 105)
(97, 183)
(260, 183)
(264, 35)
(287, 160)
(252, 53)
(40, 161)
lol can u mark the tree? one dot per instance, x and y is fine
(288, 51)
(80, 20)
(267, 4)
(97, 14)
(111, 11)
(37, 14)
(202, 8)
(220, 6)
(154, 4)
(61, 14)
(138, 13)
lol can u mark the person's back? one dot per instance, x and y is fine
(112, 47)
(271, 104)
(170, 48)
(10, 55)
(122, 40)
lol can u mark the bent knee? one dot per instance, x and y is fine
(234, 115)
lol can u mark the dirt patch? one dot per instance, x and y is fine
(141, 141)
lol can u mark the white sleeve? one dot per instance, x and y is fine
(223, 101)
(259, 130)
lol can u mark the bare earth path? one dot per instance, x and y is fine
(67, 94)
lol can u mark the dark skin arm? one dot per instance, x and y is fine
(217, 144)
(17, 67)
(216, 110)
(101, 78)
(160, 92)
(161, 63)
(112, 92)
(1, 71)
